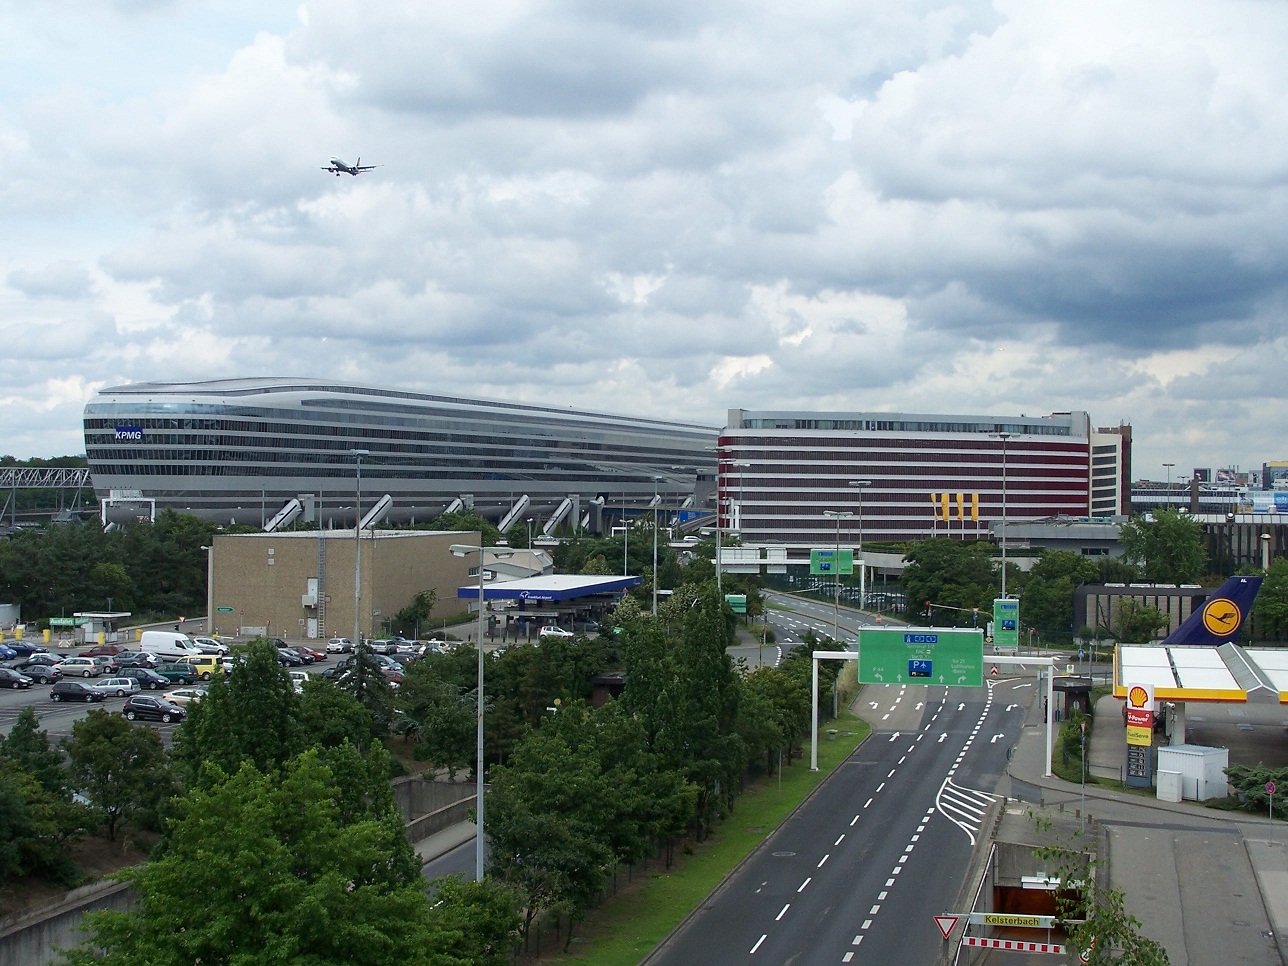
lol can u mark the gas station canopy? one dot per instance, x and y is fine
(1202, 673)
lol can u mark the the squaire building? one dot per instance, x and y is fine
(240, 449)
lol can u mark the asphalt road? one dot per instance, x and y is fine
(858, 872)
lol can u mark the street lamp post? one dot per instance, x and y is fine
(860, 486)
(1168, 499)
(357, 454)
(656, 500)
(838, 515)
(529, 533)
(1003, 437)
(210, 590)
(462, 550)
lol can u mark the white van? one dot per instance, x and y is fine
(168, 645)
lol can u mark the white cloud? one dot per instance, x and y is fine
(674, 209)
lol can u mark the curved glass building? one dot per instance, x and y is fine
(239, 449)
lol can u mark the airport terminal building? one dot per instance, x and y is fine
(238, 450)
(805, 480)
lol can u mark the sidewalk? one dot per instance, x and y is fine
(1186, 869)
(440, 843)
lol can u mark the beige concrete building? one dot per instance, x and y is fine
(300, 585)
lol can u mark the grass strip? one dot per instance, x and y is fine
(625, 930)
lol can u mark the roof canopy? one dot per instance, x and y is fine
(554, 587)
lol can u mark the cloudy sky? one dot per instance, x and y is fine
(672, 208)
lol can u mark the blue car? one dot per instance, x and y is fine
(7, 653)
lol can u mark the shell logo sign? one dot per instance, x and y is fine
(1222, 617)
(1140, 714)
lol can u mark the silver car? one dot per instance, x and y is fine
(117, 686)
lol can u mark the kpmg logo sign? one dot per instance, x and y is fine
(129, 433)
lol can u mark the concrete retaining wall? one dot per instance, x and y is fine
(35, 938)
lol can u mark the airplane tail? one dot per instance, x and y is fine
(1221, 616)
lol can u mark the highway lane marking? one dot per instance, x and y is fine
(758, 942)
(901, 761)
(808, 880)
(881, 896)
(853, 820)
(839, 840)
(875, 909)
(867, 924)
(822, 860)
(847, 957)
(884, 716)
(879, 787)
(889, 883)
(867, 803)
(783, 912)
(892, 771)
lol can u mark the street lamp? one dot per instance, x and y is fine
(838, 515)
(862, 485)
(529, 533)
(656, 501)
(1003, 437)
(464, 550)
(1168, 499)
(357, 454)
(210, 590)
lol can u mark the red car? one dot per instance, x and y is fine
(312, 652)
(103, 650)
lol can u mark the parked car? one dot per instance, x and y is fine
(207, 665)
(74, 691)
(9, 678)
(185, 696)
(152, 708)
(105, 650)
(313, 652)
(108, 663)
(80, 667)
(339, 645)
(209, 645)
(586, 625)
(433, 647)
(298, 678)
(39, 671)
(148, 679)
(26, 648)
(303, 653)
(7, 653)
(136, 659)
(554, 630)
(288, 658)
(183, 673)
(45, 657)
(117, 686)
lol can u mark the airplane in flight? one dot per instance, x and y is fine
(338, 167)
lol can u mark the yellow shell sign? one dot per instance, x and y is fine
(1137, 697)
(1222, 617)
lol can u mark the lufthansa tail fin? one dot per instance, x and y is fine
(1221, 616)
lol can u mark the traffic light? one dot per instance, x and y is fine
(927, 610)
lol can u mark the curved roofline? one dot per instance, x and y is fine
(268, 385)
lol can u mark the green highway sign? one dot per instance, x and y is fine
(830, 563)
(224, 610)
(922, 655)
(737, 603)
(1006, 622)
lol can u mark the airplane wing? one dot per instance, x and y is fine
(367, 167)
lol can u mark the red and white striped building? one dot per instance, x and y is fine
(780, 471)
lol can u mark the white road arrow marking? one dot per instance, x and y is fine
(962, 706)
(895, 736)
(872, 704)
(920, 705)
(1011, 707)
(993, 740)
(943, 737)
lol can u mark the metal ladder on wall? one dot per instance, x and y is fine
(321, 608)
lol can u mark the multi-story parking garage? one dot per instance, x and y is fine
(240, 449)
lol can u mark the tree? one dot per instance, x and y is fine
(1271, 608)
(479, 920)
(266, 869)
(1135, 623)
(411, 617)
(252, 716)
(121, 768)
(1168, 546)
(27, 748)
(1047, 591)
(954, 575)
(328, 716)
